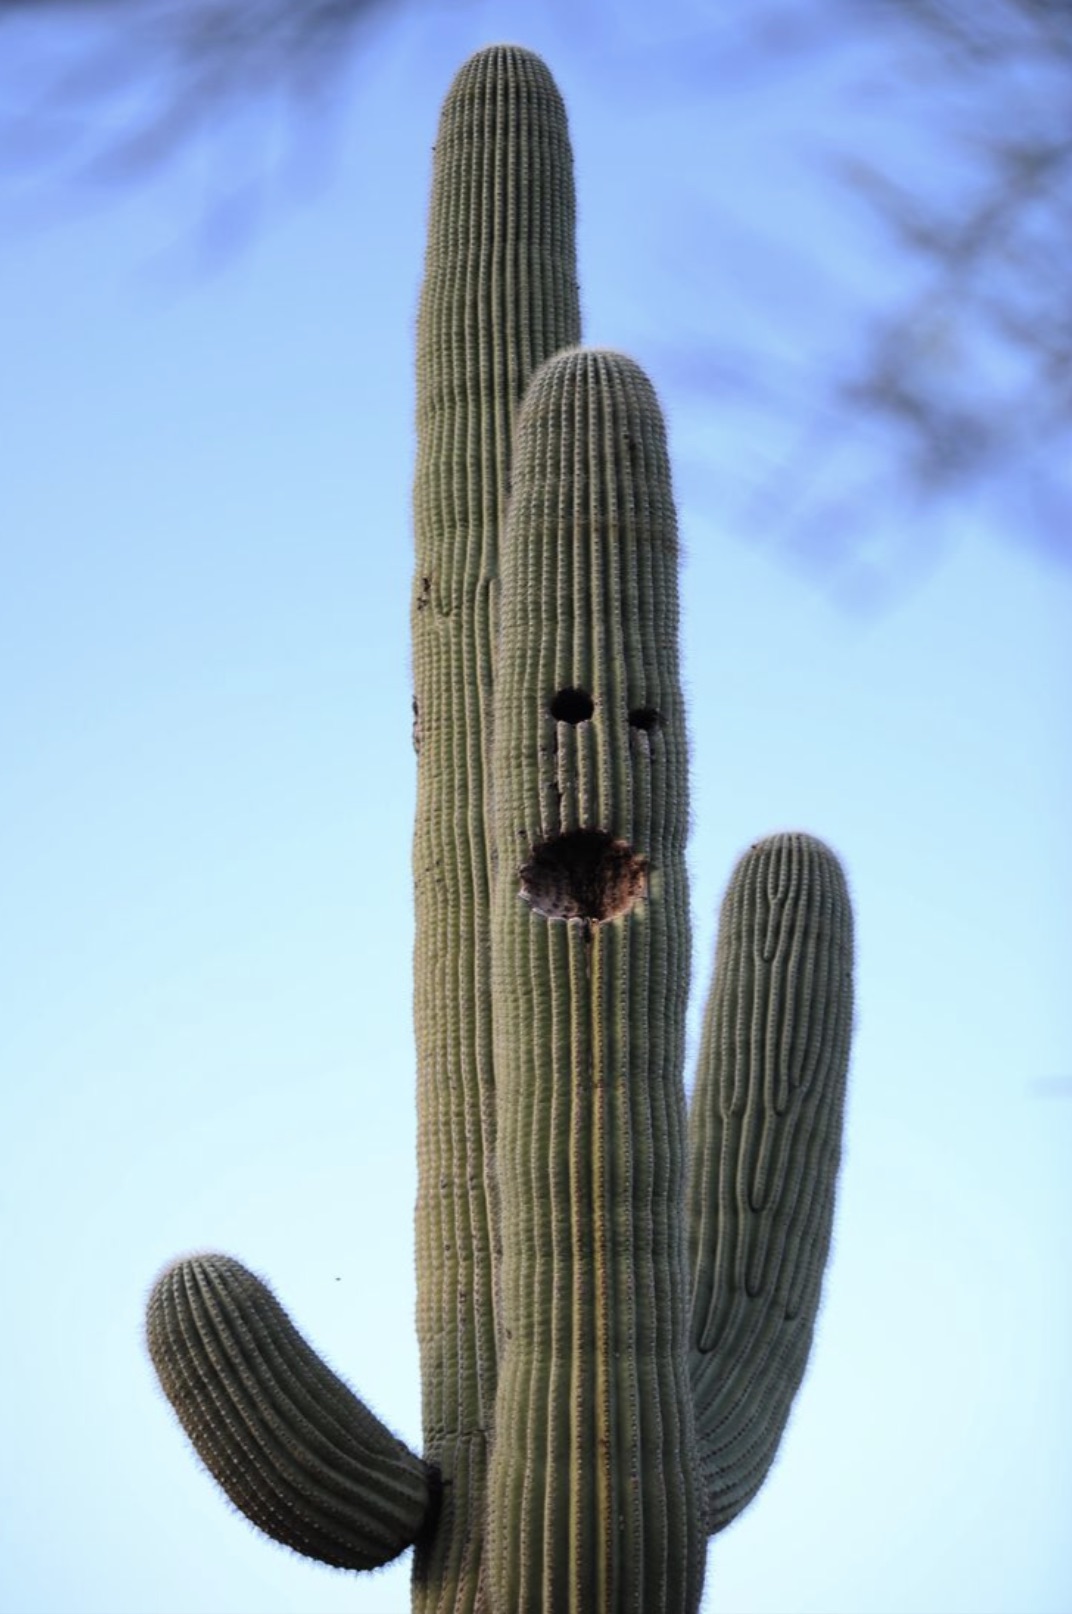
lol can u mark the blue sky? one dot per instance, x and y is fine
(208, 810)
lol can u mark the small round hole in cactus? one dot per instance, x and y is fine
(584, 875)
(645, 718)
(572, 706)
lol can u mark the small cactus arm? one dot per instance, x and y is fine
(292, 1447)
(765, 1142)
(615, 1301)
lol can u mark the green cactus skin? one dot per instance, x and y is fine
(293, 1448)
(499, 296)
(594, 1496)
(765, 1142)
(614, 1310)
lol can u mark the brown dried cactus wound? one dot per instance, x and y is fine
(584, 875)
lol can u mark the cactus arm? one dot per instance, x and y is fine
(593, 1495)
(499, 295)
(765, 1141)
(293, 1448)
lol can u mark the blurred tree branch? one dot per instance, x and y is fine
(960, 381)
(122, 87)
(973, 373)
(955, 393)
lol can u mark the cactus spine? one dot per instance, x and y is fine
(614, 1310)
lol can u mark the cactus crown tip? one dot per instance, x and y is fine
(504, 54)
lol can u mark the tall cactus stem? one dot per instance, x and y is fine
(499, 296)
(593, 1497)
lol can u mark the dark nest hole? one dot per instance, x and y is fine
(584, 875)
(572, 706)
(645, 718)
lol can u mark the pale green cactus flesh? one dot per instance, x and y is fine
(614, 1312)
(594, 1499)
(765, 1144)
(289, 1443)
(499, 296)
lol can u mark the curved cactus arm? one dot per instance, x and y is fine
(765, 1141)
(293, 1448)
(594, 1497)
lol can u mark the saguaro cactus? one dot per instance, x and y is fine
(615, 1307)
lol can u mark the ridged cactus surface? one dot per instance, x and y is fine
(594, 1501)
(499, 296)
(615, 1308)
(289, 1443)
(766, 1142)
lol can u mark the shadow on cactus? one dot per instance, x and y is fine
(615, 1301)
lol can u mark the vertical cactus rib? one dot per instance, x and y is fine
(499, 296)
(293, 1448)
(765, 1142)
(593, 1492)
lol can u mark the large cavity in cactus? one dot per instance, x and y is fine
(615, 1303)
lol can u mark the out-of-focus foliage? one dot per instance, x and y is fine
(113, 90)
(945, 401)
(949, 386)
(971, 367)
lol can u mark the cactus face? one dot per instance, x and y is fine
(614, 1309)
(594, 1491)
